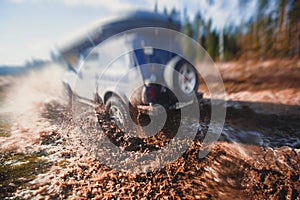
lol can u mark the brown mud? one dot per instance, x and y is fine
(256, 157)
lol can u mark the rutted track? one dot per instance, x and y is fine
(257, 156)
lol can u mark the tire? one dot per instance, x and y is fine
(117, 110)
(181, 78)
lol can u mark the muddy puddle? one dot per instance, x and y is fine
(5, 121)
(43, 154)
(244, 125)
(17, 170)
(5, 124)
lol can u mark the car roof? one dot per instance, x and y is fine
(102, 29)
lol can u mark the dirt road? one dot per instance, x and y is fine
(256, 157)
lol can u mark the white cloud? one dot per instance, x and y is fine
(169, 4)
(112, 5)
(117, 5)
(18, 1)
(32, 1)
(224, 13)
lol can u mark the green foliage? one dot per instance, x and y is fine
(188, 30)
(270, 33)
(212, 45)
(232, 48)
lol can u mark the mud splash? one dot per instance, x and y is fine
(257, 156)
(233, 169)
(24, 157)
(23, 104)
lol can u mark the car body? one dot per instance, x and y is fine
(144, 78)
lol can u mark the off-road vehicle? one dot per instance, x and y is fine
(145, 80)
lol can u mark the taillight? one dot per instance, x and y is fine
(150, 94)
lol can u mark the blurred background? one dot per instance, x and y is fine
(239, 29)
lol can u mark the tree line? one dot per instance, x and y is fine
(269, 33)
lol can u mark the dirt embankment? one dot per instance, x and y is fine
(273, 81)
(257, 156)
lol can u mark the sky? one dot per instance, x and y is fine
(31, 28)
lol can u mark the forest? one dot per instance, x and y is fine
(273, 31)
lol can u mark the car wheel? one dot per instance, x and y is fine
(181, 78)
(118, 112)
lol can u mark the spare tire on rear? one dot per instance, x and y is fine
(181, 78)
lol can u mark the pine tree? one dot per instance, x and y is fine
(294, 20)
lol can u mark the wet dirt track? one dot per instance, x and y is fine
(257, 157)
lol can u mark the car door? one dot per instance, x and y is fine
(85, 84)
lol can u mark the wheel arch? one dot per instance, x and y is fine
(109, 94)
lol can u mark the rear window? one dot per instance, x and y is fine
(157, 56)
